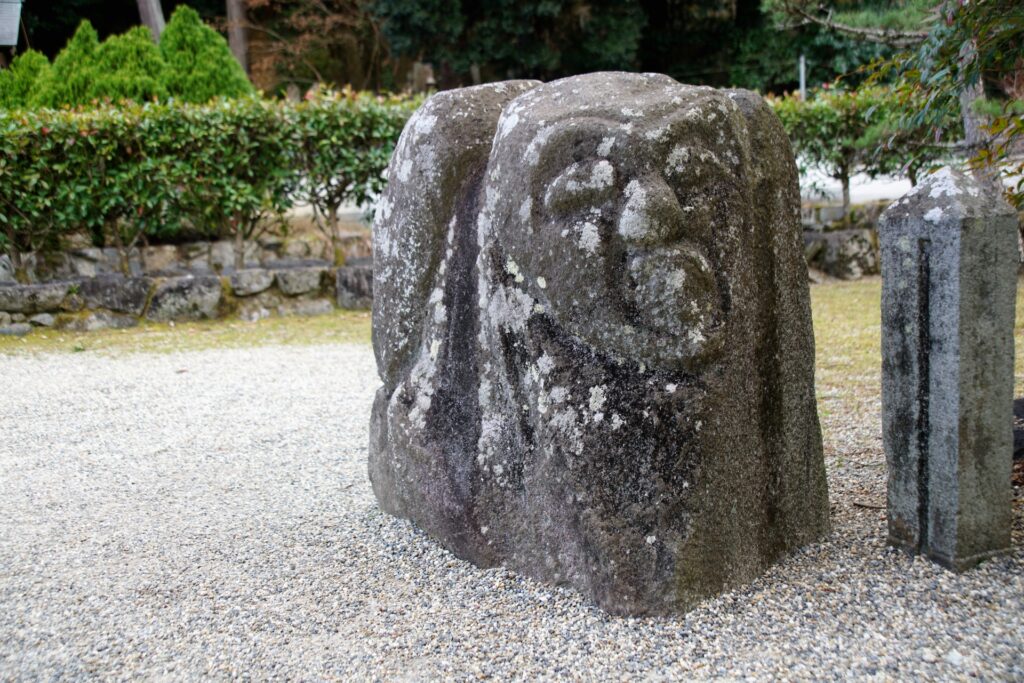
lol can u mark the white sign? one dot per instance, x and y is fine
(10, 18)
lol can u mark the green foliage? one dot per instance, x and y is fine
(19, 80)
(886, 14)
(29, 212)
(192, 64)
(343, 143)
(128, 67)
(902, 15)
(844, 132)
(238, 161)
(200, 65)
(974, 42)
(71, 76)
(765, 57)
(134, 171)
(542, 38)
(409, 25)
(952, 52)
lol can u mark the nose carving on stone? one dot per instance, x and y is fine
(651, 213)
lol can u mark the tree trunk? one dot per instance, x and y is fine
(973, 122)
(974, 134)
(238, 33)
(976, 139)
(122, 252)
(844, 179)
(332, 226)
(20, 272)
(239, 244)
(152, 16)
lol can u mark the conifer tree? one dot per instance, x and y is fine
(129, 67)
(200, 65)
(70, 77)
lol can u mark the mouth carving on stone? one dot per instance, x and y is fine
(673, 290)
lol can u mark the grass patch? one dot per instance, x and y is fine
(848, 337)
(339, 327)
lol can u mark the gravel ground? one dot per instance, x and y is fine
(208, 514)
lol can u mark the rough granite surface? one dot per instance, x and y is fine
(592, 323)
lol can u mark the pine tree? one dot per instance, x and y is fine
(200, 63)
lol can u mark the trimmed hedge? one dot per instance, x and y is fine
(133, 172)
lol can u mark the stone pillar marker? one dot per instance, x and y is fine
(949, 282)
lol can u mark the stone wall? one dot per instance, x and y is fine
(192, 258)
(840, 249)
(110, 300)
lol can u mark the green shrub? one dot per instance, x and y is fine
(123, 67)
(192, 64)
(200, 65)
(128, 67)
(344, 141)
(844, 132)
(19, 80)
(29, 209)
(240, 169)
(143, 171)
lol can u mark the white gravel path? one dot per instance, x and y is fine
(208, 514)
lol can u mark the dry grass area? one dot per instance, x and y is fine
(339, 327)
(847, 332)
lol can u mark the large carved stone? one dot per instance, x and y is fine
(592, 323)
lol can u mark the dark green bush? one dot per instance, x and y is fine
(144, 171)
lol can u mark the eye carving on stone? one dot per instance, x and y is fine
(583, 185)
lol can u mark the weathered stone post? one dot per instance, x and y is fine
(949, 264)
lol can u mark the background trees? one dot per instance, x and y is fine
(372, 43)
(956, 59)
(942, 60)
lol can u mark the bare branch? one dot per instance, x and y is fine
(884, 36)
(284, 40)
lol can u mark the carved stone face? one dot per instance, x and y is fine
(591, 318)
(625, 213)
